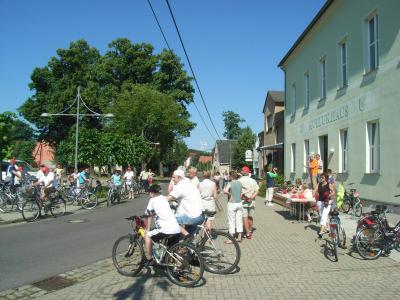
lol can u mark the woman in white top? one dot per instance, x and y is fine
(208, 192)
(128, 177)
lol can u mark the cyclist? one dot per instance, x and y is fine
(165, 221)
(47, 181)
(129, 177)
(324, 194)
(116, 179)
(12, 172)
(190, 209)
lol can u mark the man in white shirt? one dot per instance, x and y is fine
(249, 194)
(190, 207)
(144, 178)
(165, 222)
(47, 180)
(193, 176)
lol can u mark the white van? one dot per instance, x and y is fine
(27, 167)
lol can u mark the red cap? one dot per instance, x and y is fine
(246, 169)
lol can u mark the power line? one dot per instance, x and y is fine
(190, 65)
(158, 23)
(165, 39)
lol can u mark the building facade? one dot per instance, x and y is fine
(223, 155)
(273, 135)
(342, 92)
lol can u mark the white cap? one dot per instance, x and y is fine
(179, 173)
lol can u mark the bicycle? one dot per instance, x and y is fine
(113, 194)
(219, 250)
(378, 239)
(81, 196)
(336, 232)
(124, 191)
(182, 262)
(32, 208)
(351, 200)
(10, 200)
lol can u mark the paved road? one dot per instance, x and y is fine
(34, 251)
(283, 261)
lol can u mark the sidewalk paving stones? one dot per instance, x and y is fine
(284, 260)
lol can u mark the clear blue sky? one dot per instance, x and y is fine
(234, 46)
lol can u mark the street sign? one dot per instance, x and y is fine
(248, 155)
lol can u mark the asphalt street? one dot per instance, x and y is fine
(34, 251)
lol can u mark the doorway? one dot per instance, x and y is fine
(323, 149)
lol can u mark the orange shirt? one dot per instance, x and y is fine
(314, 167)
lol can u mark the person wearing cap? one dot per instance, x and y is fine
(47, 180)
(249, 193)
(190, 208)
(129, 177)
(12, 172)
(165, 221)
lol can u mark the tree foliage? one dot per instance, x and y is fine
(6, 126)
(147, 92)
(246, 141)
(231, 122)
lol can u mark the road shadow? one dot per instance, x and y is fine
(138, 289)
(286, 215)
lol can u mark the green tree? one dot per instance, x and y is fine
(175, 155)
(231, 122)
(108, 83)
(246, 141)
(140, 110)
(6, 126)
(23, 150)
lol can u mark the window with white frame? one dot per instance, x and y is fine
(322, 65)
(306, 89)
(293, 158)
(293, 99)
(373, 42)
(266, 123)
(343, 64)
(306, 154)
(373, 147)
(343, 154)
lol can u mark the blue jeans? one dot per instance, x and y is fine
(192, 222)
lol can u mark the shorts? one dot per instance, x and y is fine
(209, 205)
(248, 211)
(190, 222)
(186, 220)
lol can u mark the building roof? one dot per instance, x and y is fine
(306, 31)
(276, 96)
(203, 159)
(225, 150)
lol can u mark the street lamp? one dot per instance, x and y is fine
(77, 115)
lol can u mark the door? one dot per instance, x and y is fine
(323, 150)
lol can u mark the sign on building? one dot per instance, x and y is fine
(248, 155)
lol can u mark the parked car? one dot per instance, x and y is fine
(28, 168)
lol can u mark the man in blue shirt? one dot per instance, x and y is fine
(84, 177)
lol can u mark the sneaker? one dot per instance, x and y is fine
(149, 262)
(249, 236)
(270, 204)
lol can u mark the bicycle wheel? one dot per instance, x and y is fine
(128, 255)
(342, 236)
(109, 197)
(346, 205)
(358, 207)
(184, 265)
(221, 253)
(31, 210)
(369, 242)
(124, 192)
(3, 202)
(89, 201)
(334, 237)
(58, 207)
